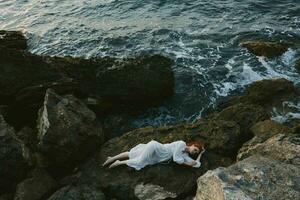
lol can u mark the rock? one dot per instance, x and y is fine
(251, 179)
(67, 131)
(118, 85)
(266, 49)
(9, 196)
(35, 187)
(13, 166)
(81, 192)
(168, 180)
(245, 115)
(266, 93)
(298, 65)
(12, 40)
(268, 128)
(284, 148)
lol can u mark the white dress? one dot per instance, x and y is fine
(154, 152)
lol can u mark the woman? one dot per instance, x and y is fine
(154, 152)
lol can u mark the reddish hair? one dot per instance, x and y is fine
(198, 144)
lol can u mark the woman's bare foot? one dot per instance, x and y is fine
(115, 164)
(108, 160)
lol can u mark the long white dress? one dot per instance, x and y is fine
(154, 152)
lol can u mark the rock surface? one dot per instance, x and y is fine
(251, 179)
(82, 192)
(118, 83)
(298, 65)
(13, 167)
(266, 49)
(267, 93)
(35, 187)
(67, 131)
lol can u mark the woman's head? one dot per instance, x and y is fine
(195, 147)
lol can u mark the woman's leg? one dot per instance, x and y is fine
(118, 163)
(120, 156)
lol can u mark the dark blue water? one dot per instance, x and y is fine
(201, 36)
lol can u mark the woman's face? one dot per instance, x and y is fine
(193, 149)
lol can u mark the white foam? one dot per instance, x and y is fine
(288, 57)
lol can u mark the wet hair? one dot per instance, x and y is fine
(198, 144)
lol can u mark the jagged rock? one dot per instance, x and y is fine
(266, 93)
(81, 192)
(118, 85)
(266, 49)
(35, 187)
(13, 167)
(67, 131)
(251, 179)
(285, 148)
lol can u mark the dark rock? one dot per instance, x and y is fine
(67, 131)
(168, 180)
(81, 192)
(266, 49)
(245, 115)
(254, 178)
(298, 65)
(35, 187)
(118, 85)
(13, 166)
(12, 40)
(266, 93)
(8, 196)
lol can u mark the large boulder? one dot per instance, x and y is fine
(13, 167)
(164, 180)
(35, 187)
(266, 49)
(251, 179)
(67, 131)
(125, 85)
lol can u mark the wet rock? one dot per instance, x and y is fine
(251, 179)
(13, 166)
(118, 85)
(67, 131)
(281, 147)
(12, 40)
(266, 49)
(81, 192)
(266, 93)
(9, 196)
(298, 65)
(36, 187)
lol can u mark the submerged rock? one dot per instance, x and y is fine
(13, 167)
(35, 187)
(67, 131)
(251, 179)
(266, 49)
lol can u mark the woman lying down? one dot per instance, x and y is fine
(154, 152)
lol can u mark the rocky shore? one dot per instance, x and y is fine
(59, 118)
